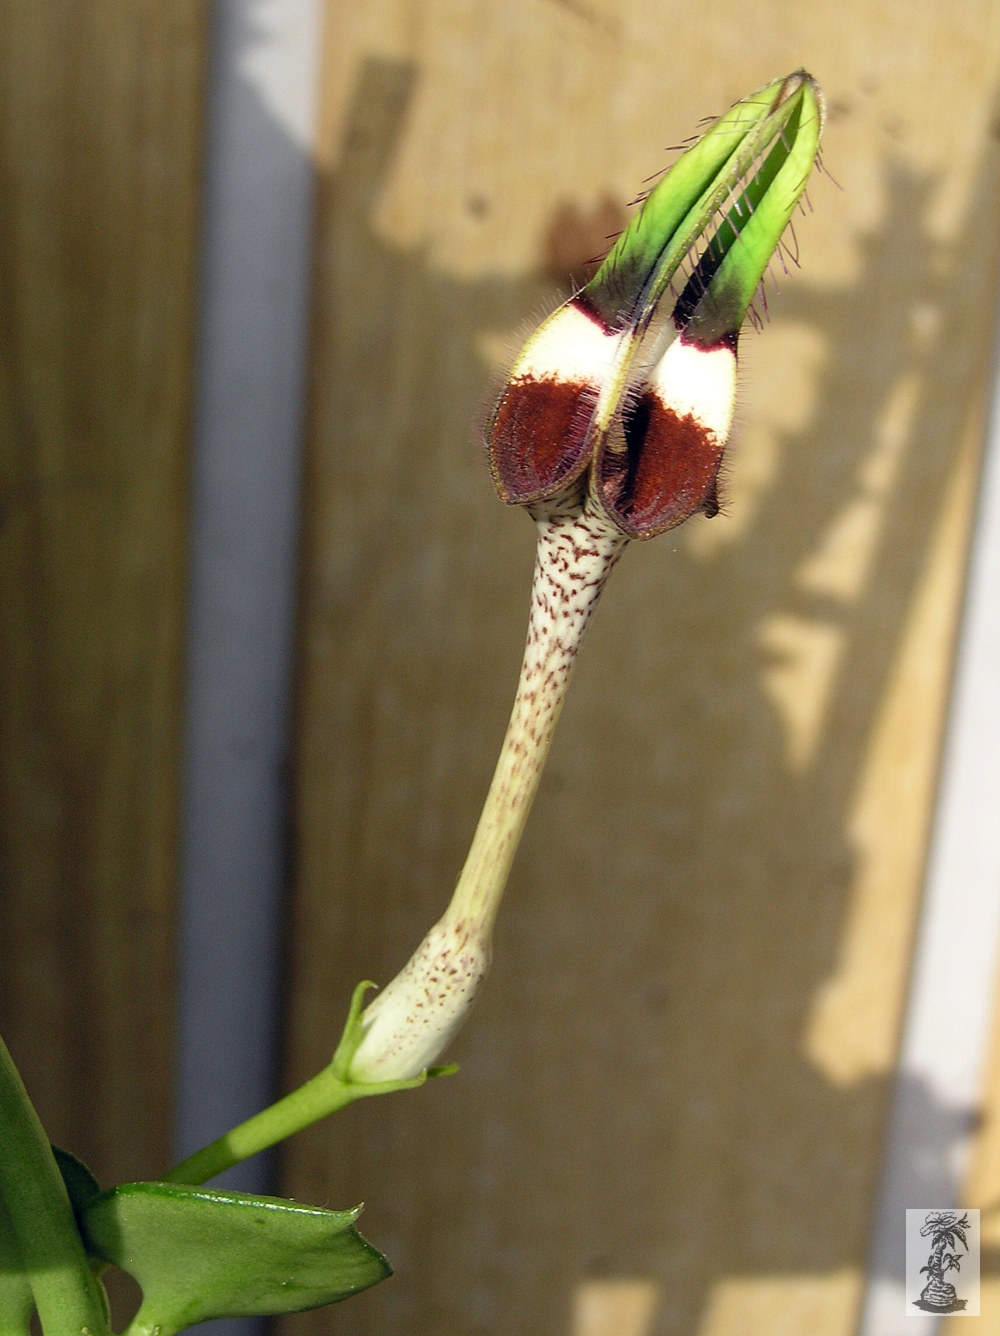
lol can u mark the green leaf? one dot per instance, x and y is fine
(16, 1301)
(40, 1220)
(200, 1253)
(81, 1185)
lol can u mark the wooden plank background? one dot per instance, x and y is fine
(672, 1094)
(99, 151)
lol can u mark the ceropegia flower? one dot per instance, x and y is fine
(632, 380)
(611, 426)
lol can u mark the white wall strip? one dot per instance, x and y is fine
(256, 233)
(953, 992)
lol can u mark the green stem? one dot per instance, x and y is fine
(322, 1095)
(66, 1293)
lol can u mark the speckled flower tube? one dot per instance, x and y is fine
(612, 425)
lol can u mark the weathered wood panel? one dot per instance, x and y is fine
(672, 1096)
(99, 158)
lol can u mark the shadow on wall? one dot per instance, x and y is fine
(636, 1116)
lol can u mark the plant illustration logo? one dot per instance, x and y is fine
(942, 1262)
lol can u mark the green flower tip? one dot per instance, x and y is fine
(723, 206)
(633, 380)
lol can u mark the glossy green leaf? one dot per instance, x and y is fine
(199, 1253)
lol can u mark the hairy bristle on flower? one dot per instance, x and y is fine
(760, 152)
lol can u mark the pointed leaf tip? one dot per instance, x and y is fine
(199, 1253)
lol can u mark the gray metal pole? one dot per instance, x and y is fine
(257, 219)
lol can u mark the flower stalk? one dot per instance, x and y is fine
(413, 1019)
